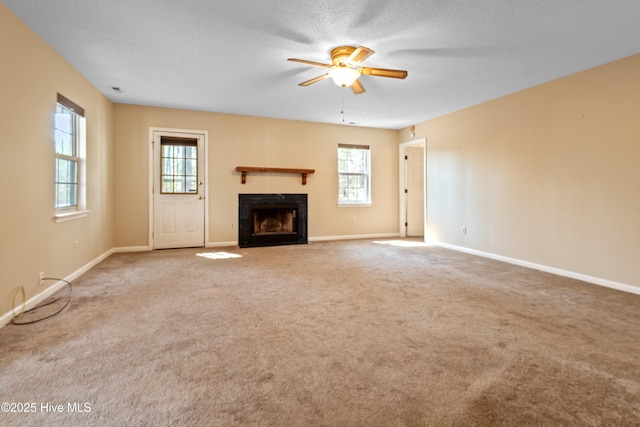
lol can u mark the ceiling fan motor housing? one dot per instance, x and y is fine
(340, 56)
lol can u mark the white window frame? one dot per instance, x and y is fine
(344, 172)
(78, 136)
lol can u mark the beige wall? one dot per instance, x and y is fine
(254, 141)
(549, 175)
(30, 240)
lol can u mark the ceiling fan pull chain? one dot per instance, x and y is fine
(342, 103)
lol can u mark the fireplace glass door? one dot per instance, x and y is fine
(273, 221)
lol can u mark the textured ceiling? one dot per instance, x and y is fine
(230, 55)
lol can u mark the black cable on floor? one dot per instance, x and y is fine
(13, 321)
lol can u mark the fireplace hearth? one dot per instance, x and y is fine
(272, 219)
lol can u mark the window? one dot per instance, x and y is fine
(69, 151)
(354, 179)
(179, 165)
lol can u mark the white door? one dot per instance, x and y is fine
(415, 191)
(178, 190)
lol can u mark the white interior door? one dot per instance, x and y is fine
(178, 190)
(415, 191)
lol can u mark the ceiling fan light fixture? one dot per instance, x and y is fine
(344, 76)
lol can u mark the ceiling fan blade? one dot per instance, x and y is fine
(314, 80)
(304, 61)
(360, 54)
(384, 72)
(357, 87)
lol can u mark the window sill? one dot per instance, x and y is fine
(68, 216)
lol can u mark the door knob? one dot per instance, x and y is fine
(201, 198)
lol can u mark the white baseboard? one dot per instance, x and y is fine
(354, 237)
(124, 249)
(221, 244)
(560, 272)
(50, 290)
(147, 248)
(318, 239)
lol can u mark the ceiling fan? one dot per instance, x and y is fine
(345, 68)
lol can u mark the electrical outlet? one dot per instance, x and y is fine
(75, 246)
(41, 278)
(464, 230)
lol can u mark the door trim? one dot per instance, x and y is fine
(402, 205)
(196, 133)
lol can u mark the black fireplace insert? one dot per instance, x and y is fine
(272, 219)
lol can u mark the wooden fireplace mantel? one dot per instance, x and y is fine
(245, 169)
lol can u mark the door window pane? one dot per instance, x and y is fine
(179, 166)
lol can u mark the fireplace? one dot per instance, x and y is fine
(272, 219)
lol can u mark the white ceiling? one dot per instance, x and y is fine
(230, 56)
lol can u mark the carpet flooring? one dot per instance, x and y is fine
(345, 333)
